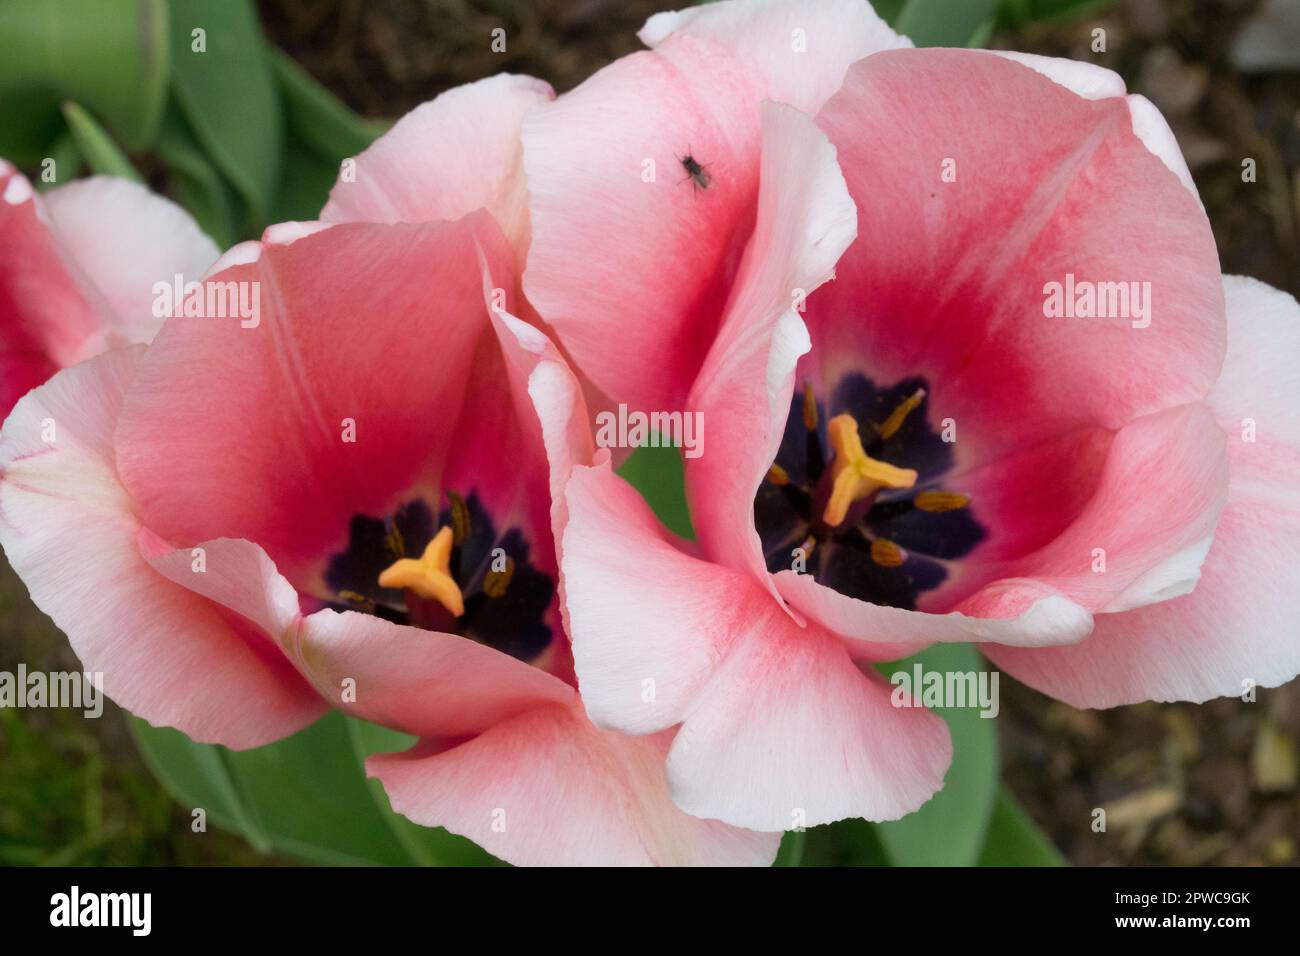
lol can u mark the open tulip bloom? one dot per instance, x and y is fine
(954, 321)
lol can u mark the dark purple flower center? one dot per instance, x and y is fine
(506, 598)
(892, 543)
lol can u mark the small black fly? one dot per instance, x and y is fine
(696, 172)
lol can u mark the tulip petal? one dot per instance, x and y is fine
(123, 240)
(68, 528)
(605, 163)
(332, 404)
(952, 276)
(799, 48)
(1144, 533)
(446, 158)
(648, 623)
(423, 682)
(805, 221)
(1033, 615)
(790, 733)
(1238, 625)
(776, 717)
(549, 788)
(45, 318)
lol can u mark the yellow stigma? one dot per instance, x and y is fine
(429, 575)
(854, 474)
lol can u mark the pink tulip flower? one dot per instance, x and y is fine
(77, 270)
(347, 503)
(1028, 412)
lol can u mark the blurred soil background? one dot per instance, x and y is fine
(1181, 784)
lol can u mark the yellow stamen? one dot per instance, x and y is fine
(496, 582)
(854, 474)
(777, 475)
(396, 544)
(459, 517)
(360, 600)
(941, 500)
(429, 576)
(896, 418)
(886, 553)
(809, 407)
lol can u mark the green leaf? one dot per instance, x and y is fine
(305, 796)
(943, 22)
(305, 185)
(101, 154)
(109, 55)
(32, 127)
(197, 775)
(888, 10)
(316, 117)
(228, 95)
(659, 475)
(1017, 13)
(195, 182)
(1015, 839)
(950, 829)
(67, 163)
(427, 846)
(845, 843)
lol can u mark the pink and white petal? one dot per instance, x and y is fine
(123, 239)
(1030, 615)
(776, 717)
(1094, 82)
(648, 623)
(967, 263)
(236, 574)
(345, 333)
(68, 528)
(1159, 497)
(446, 158)
(1238, 625)
(806, 219)
(547, 788)
(1150, 126)
(604, 165)
(1089, 80)
(799, 48)
(789, 732)
(555, 396)
(423, 682)
(45, 319)
(541, 378)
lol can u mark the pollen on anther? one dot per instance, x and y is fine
(459, 518)
(885, 553)
(896, 418)
(935, 501)
(809, 407)
(496, 582)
